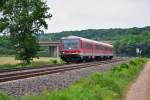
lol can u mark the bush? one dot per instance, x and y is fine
(54, 61)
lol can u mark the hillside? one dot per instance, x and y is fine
(96, 34)
(114, 35)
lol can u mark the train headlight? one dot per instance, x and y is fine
(63, 52)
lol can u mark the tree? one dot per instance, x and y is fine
(127, 45)
(23, 20)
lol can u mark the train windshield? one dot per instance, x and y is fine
(70, 44)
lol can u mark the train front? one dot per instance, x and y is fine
(70, 49)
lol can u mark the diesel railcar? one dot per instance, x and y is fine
(78, 49)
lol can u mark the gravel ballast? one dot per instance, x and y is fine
(36, 85)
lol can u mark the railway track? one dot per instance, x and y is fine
(26, 73)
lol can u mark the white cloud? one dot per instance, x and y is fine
(86, 14)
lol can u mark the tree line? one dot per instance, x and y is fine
(125, 41)
(96, 34)
(127, 45)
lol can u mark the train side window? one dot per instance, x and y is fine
(104, 48)
(100, 47)
(81, 43)
(96, 46)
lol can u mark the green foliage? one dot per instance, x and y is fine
(96, 34)
(44, 52)
(6, 47)
(32, 64)
(23, 19)
(4, 96)
(118, 36)
(98, 86)
(44, 96)
(127, 45)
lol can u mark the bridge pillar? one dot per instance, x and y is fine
(53, 48)
(53, 51)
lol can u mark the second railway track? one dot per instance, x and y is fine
(26, 73)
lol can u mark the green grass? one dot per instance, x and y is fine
(110, 85)
(4, 96)
(10, 62)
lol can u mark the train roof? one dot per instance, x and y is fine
(77, 37)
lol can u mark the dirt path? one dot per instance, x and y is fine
(140, 90)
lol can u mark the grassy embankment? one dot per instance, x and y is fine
(98, 86)
(110, 85)
(10, 62)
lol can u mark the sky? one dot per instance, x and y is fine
(71, 15)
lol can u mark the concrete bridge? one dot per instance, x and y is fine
(53, 48)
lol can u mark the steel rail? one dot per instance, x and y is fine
(15, 75)
(4, 70)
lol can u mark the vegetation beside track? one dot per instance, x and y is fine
(125, 40)
(109, 85)
(4, 96)
(10, 62)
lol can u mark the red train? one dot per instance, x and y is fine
(77, 49)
